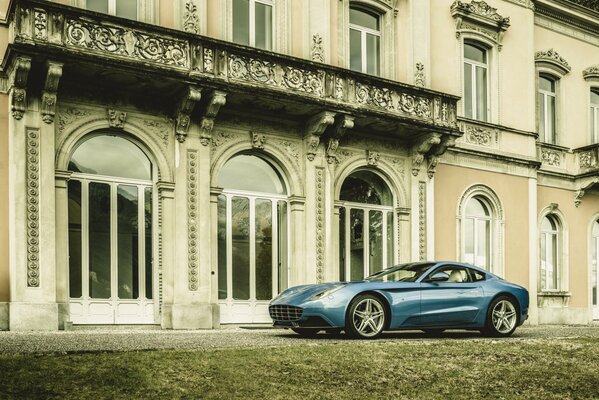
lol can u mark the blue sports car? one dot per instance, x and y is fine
(429, 296)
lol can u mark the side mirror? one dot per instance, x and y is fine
(439, 277)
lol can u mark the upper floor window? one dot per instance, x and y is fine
(252, 23)
(364, 41)
(476, 71)
(547, 115)
(121, 8)
(595, 116)
(550, 232)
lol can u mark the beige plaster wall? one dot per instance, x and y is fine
(577, 222)
(166, 14)
(450, 184)
(297, 29)
(574, 90)
(4, 234)
(214, 19)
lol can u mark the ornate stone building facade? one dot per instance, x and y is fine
(181, 162)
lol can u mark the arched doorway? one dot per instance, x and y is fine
(366, 226)
(110, 195)
(252, 238)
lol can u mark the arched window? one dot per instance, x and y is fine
(110, 232)
(547, 109)
(550, 253)
(594, 116)
(252, 238)
(366, 221)
(594, 270)
(476, 71)
(364, 41)
(477, 233)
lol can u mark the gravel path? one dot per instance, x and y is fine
(133, 339)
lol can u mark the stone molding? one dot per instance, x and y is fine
(479, 18)
(591, 73)
(32, 162)
(320, 224)
(192, 220)
(422, 221)
(553, 60)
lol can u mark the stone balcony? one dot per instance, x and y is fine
(254, 81)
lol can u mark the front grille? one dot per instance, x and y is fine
(285, 313)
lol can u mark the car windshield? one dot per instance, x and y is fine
(401, 273)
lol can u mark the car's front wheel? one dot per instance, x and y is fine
(502, 317)
(366, 317)
(306, 332)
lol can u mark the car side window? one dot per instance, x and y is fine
(477, 276)
(457, 274)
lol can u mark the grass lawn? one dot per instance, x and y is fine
(389, 369)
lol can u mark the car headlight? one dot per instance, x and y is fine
(326, 292)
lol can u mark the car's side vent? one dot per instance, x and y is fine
(285, 313)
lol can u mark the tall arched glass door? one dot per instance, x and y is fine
(252, 238)
(477, 233)
(594, 269)
(110, 232)
(366, 236)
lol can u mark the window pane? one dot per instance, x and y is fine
(542, 117)
(263, 249)
(128, 242)
(99, 241)
(355, 50)
(342, 244)
(372, 54)
(263, 26)
(481, 93)
(363, 18)
(97, 5)
(126, 8)
(222, 247)
(283, 247)
(366, 187)
(468, 90)
(594, 124)
(476, 208)
(551, 132)
(111, 156)
(469, 240)
(595, 98)
(546, 84)
(246, 172)
(544, 265)
(149, 258)
(240, 225)
(75, 259)
(482, 243)
(390, 247)
(552, 276)
(548, 224)
(594, 244)
(375, 256)
(241, 21)
(356, 224)
(475, 53)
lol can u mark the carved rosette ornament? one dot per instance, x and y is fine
(314, 129)
(183, 120)
(192, 220)
(116, 119)
(33, 206)
(191, 20)
(553, 59)
(479, 18)
(320, 224)
(317, 51)
(19, 75)
(49, 94)
(216, 101)
(422, 220)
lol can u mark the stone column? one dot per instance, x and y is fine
(297, 224)
(61, 180)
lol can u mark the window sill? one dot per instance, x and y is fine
(553, 298)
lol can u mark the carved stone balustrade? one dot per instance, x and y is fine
(76, 36)
(588, 159)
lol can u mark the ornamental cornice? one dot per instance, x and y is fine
(553, 59)
(479, 18)
(591, 73)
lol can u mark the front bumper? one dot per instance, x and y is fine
(307, 318)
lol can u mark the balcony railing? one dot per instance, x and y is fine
(66, 33)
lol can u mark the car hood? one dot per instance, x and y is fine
(304, 292)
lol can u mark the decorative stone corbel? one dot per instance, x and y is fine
(216, 101)
(49, 94)
(421, 148)
(191, 98)
(314, 129)
(116, 119)
(342, 124)
(582, 188)
(436, 152)
(19, 75)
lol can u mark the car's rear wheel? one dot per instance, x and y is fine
(433, 332)
(502, 317)
(366, 317)
(306, 332)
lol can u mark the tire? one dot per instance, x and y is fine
(306, 332)
(502, 317)
(433, 332)
(366, 317)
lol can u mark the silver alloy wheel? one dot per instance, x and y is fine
(368, 317)
(504, 316)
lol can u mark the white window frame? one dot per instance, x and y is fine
(562, 264)
(146, 9)
(363, 46)
(252, 21)
(474, 65)
(476, 233)
(594, 110)
(548, 236)
(547, 94)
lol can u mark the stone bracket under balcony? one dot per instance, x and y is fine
(251, 77)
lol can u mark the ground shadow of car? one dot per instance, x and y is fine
(416, 335)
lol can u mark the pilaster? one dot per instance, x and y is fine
(419, 65)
